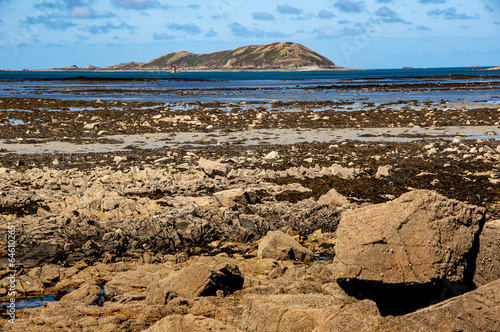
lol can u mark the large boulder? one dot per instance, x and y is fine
(417, 238)
(407, 248)
(194, 281)
(280, 246)
(488, 257)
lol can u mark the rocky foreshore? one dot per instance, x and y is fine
(199, 244)
(137, 213)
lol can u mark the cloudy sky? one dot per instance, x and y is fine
(356, 34)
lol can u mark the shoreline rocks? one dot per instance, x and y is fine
(410, 246)
(155, 246)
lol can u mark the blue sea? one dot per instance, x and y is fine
(256, 76)
(250, 86)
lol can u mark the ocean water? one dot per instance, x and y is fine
(246, 76)
(251, 86)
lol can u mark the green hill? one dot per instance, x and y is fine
(282, 55)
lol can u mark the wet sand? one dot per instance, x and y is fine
(116, 143)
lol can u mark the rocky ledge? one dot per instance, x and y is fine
(200, 244)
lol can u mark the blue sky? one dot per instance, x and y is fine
(355, 34)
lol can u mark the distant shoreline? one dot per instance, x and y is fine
(220, 70)
(184, 70)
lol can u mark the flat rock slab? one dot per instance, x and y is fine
(478, 310)
(191, 323)
(418, 238)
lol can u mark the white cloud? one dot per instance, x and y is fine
(81, 12)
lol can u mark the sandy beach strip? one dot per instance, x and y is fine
(252, 137)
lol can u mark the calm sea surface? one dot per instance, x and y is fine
(252, 86)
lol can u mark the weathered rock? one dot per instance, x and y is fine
(280, 246)
(272, 155)
(136, 280)
(417, 238)
(406, 248)
(488, 257)
(342, 172)
(213, 168)
(191, 323)
(332, 197)
(228, 198)
(196, 280)
(86, 294)
(286, 313)
(91, 126)
(383, 171)
(49, 274)
(361, 316)
(478, 310)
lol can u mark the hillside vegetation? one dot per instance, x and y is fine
(282, 55)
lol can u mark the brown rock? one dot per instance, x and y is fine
(415, 239)
(403, 253)
(228, 198)
(191, 323)
(212, 168)
(86, 294)
(383, 172)
(361, 316)
(488, 257)
(478, 310)
(136, 280)
(332, 197)
(280, 246)
(287, 313)
(195, 280)
(49, 273)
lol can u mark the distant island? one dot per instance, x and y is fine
(281, 56)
